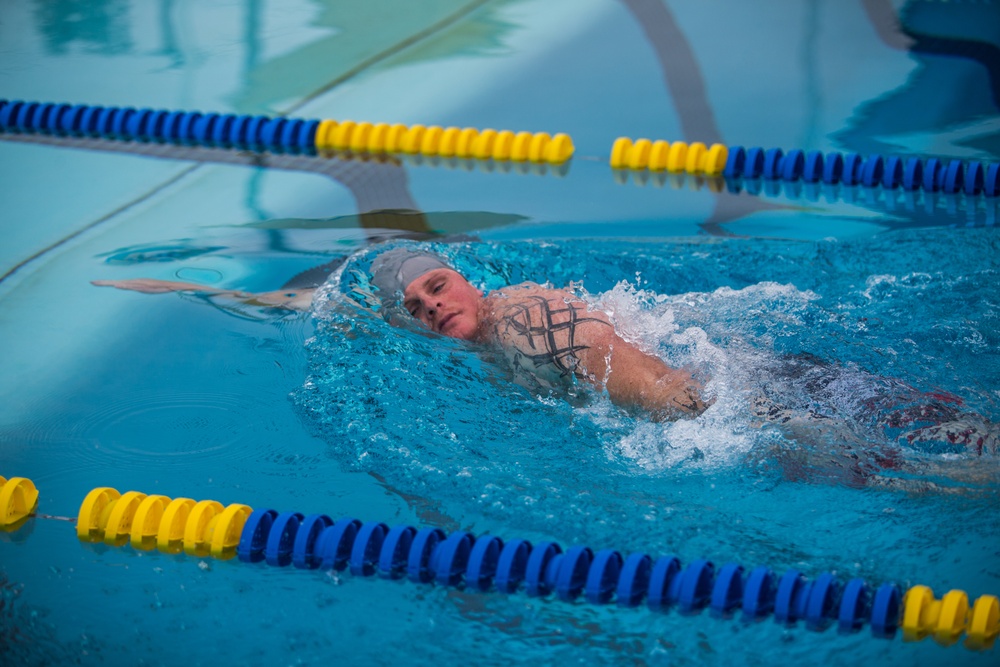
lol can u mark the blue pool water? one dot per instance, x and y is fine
(819, 319)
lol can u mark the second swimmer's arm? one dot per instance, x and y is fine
(290, 299)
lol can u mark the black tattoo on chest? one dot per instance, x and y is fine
(543, 334)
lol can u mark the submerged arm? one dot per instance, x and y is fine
(291, 299)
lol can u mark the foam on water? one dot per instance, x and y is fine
(789, 368)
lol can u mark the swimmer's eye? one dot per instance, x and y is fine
(438, 287)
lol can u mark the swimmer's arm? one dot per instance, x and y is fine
(634, 378)
(554, 328)
(290, 299)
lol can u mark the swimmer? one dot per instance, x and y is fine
(550, 333)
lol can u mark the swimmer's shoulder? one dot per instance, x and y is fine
(529, 290)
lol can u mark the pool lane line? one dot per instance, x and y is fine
(430, 555)
(873, 171)
(291, 135)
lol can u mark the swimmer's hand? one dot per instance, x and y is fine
(680, 403)
(666, 393)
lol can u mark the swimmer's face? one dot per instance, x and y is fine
(445, 301)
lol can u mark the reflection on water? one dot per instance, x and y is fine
(97, 26)
(957, 48)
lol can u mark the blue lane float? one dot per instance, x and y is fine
(153, 125)
(891, 172)
(485, 563)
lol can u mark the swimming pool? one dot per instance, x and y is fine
(172, 395)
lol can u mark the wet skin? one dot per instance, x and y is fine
(446, 303)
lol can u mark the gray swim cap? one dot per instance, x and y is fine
(394, 269)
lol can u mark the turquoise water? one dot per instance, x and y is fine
(849, 304)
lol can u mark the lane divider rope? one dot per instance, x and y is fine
(147, 522)
(486, 562)
(18, 501)
(736, 163)
(676, 157)
(931, 175)
(293, 135)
